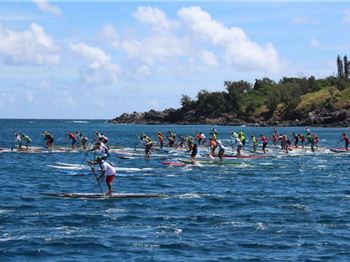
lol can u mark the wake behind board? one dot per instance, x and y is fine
(68, 164)
(101, 196)
(70, 167)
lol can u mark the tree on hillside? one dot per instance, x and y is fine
(346, 67)
(343, 67)
(210, 103)
(265, 82)
(235, 91)
(273, 99)
(187, 103)
(340, 67)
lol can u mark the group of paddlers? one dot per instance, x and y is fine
(22, 139)
(190, 144)
(216, 146)
(99, 146)
(237, 140)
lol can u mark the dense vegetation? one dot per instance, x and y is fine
(292, 100)
(266, 97)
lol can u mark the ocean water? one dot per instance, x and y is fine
(284, 207)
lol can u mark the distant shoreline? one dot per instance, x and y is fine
(131, 119)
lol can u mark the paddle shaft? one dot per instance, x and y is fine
(87, 152)
(98, 181)
(338, 142)
(13, 140)
(135, 146)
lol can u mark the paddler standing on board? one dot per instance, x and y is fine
(264, 141)
(285, 142)
(311, 140)
(160, 139)
(212, 147)
(23, 139)
(296, 139)
(190, 143)
(83, 140)
(274, 136)
(242, 137)
(101, 150)
(107, 170)
(214, 134)
(171, 138)
(49, 139)
(148, 143)
(26, 140)
(18, 140)
(345, 138)
(221, 148)
(72, 137)
(254, 142)
(101, 137)
(237, 143)
(194, 153)
(203, 139)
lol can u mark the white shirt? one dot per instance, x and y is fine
(220, 145)
(108, 169)
(18, 138)
(238, 142)
(102, 151)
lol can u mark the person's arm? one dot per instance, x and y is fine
(102, 171)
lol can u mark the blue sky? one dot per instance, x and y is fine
(61, 59)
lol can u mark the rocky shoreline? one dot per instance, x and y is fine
(321, 117)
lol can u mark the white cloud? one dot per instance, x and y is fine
(108, 33)
(315, 43)
(155, 48)
(346, 17)
(31, 47)
(209, 58)
(45, 6)
(100, 68)
(153, 16)
(240, 51)
(143, 70)
(299, 20)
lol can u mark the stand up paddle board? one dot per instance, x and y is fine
(173, 163)
(211, 162)
(339, 150)
(101, 196)
(244, 156)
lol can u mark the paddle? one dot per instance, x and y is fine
(87, 152)
(13, 140)
(338, 143)
(137, 141)
(65, 141)
(98, 181)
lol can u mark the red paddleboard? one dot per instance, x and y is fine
(339, 150)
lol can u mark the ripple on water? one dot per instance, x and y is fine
(282, 207)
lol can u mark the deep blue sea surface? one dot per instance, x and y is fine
(284, 207)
